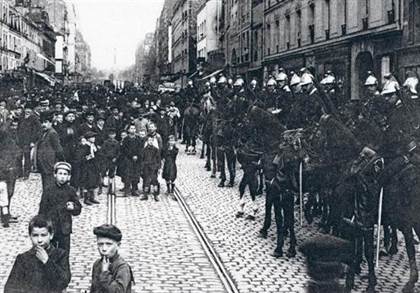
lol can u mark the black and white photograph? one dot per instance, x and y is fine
(209, 146)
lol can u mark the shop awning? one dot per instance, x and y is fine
(51, 80)
(213, 74)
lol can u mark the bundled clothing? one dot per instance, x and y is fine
(89, 177)
(151, 165)
(30, 275)
(49, 152)
(54, 206)
(109, 152)
(131, 147)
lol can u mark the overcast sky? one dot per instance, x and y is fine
(119, 24)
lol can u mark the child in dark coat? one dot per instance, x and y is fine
(89, 176)
(59, 203)
(169, 168)
(151, 166)
(108, 156)
(43, 268)
(131, 153)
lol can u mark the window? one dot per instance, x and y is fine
(327, 19)
(411, 20)
(287, 30)
(312, 22)
(299, 27)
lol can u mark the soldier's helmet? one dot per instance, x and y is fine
(207, 84)
(222, 79)
(306, 79)
(371, 79)
(230, 81)
(281, 76)
(239, 82)
(295, 80)
(271, 82)
(254, 82)
(212, 80)
(411, 84)
(328, 79)
(391, 85)
(190, 83)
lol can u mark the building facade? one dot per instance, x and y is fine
(184, 38)
(26, 38)
(346, 36)
(163, 42)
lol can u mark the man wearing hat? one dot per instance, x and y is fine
(110, 273)
(29, 130)
(89, 124)
(114, 121)
(49, 150)
(59, 203)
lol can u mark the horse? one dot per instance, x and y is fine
(191, 127)
(278, 161)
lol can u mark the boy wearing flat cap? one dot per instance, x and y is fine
(59, 203)
(110, 273)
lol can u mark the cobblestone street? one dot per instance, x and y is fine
(158, 242)
(166, 255)
(246, 256)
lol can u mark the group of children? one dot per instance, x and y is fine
(137, 156)
(45, 268)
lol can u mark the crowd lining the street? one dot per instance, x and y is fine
(295, 138)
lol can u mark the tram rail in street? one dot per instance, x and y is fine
(210, 252)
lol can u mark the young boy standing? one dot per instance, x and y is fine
(131, 153)
(43, 268)
(110, 273)
(169, 167)
(59, 203)
(151, 166)
(108, 156)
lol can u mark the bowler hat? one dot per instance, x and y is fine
(46, 116)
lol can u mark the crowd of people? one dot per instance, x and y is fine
(299, 142)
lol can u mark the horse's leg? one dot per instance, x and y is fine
(267, 214)
(203, 150)
(222, 162)
(368, 239)
(261, 183)
(277, 202)
(214, 160)
(411, 253)
(394, 241)
(289, 222)
(208, 156)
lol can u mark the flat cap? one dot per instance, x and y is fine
(108, 231)
(62, 165)
(90, 134)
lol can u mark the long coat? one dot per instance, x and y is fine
(169, 168)
(131, 146)
(89, 174)
(54, 205)
(29, 275)
(29, 130)
(49, 151)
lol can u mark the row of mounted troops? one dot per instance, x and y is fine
(354, 163)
